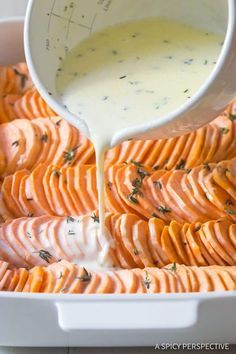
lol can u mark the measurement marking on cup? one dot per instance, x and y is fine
(69, 19)
(94, 19)
(50, 15)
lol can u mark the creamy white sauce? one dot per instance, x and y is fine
(133, 73)
(90, 247)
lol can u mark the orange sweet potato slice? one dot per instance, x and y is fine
(144, 281)
(125, 258)
(231, 171)
(208, 229)
(129, 280)
(218, 196)
(183, 279)
(67, 278)
(154, 153)
(195, 157)
(66, 151)
(12, 146)
(11, 206)
(226, 279)
(185, 154)
(195, 244)
(47, 188)
(15, 189)
(196, 178)
(49, 281)
(81, 188)
(165, 207)
(221, 231)
(23, 275)
(118, 287)
(91, 182)
(125, 179)
(106, 285)
(175, 235)
(68, 203)
(227, 138)
(189, 191)
(168, 247)
(175, 157)
(187, 247)
(219, 175)
(14, 278)
(216, 280)
(140, 239)
(114, 202)
(127, 221)
(75, 197)
(211, 143)
(152, 189)
(165, 152)
(52, 126)
(93, 284)
(26, 203)
(32, 142)
(156, 227)
(34, 281)
(203, 278)
(171, 278)
(37, 191)
(175, 189)
(45, 140)
(232, 234)
(208, 249)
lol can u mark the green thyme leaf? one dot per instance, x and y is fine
(138, 164)
(69, 219)
(158, 185)
(56, 173)
(229, 202)
(173, 267)
(44, 137)
(224, 130)
(86, 276)
(207, 166)
(45, 255)
(95, 218)
(232, 117)
(109, 185)
(23, 77)
(181, 165)
(15, 143)
(164, 209)
(58, 123)
(147, 280)
(28, 234)
(70, 154)
(60, 276)
(231, 212)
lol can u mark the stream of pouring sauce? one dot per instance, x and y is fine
(131, 74)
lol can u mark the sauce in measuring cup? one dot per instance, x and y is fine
(133, 73)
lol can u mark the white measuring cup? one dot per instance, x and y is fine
(54, 27)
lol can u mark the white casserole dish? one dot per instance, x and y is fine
(108, 320)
